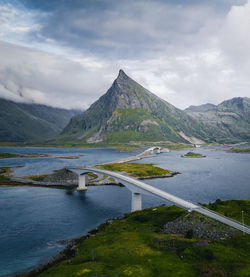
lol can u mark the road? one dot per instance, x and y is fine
(143, 187)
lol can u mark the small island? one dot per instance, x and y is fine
(193, 155)
(239, 150)
(64, 178)
(68, 157)
(139, 170)
(29, 155)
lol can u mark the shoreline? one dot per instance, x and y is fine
(66, 254)
(19, 182)
(69, 250)
(55, 186)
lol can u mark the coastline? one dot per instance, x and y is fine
(69, 250)
(175, 229)
(66, 254)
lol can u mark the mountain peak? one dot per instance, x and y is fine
(122, 75)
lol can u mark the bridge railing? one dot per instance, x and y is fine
(229, 218)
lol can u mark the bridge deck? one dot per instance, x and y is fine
(167, 196)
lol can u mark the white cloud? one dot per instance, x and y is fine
(235, 37)
(16, 22)
(35, 76)
(188, 55)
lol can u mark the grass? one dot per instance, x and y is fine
(193, 155)
(28, 155)
(8, 155)
(240, 150)
(4, 172)
(4, 178)
(134, 246)
(232, 209)
(132, 146)
(136, 169)
(37, 177)
(68, 157)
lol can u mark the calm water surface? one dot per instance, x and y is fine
(35, 221)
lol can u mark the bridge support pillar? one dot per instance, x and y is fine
(82, 181)
(136, 202)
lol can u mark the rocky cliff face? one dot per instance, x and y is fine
(231, 117)
(129, 112)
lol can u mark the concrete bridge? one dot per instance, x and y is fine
(152, 149)
(138, 188)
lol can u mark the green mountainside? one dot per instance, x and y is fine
(20, 122)
(232, 117)
(129, 112)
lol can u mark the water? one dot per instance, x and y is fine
(34, 221)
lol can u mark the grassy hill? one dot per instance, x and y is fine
(136, 245)
(20, 122)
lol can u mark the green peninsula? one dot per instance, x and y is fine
(137, 245)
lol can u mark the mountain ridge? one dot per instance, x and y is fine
(24, 122)
(231, 116)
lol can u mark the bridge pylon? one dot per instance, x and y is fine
(82, 181)
(136, 203)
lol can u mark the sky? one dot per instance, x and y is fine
(67, 53)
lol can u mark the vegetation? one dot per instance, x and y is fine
(193, 155)
(136, 169)
(37, 177)
(68, 157)
(135, 246)
(240, 150)
(232, 209)
(3, 178)
(28, 155)
(22, 122)
(8, 155)
(178, 146)
(4, 174)
(148, 119)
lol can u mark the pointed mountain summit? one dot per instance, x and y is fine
(129, 112)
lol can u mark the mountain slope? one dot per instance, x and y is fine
(129, 112)
(20, 122)
(232, 117)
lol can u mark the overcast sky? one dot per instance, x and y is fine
(67, 53)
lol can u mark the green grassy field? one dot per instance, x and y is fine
(136, 169)
(135, 246)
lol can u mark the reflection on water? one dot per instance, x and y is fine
(35, 221)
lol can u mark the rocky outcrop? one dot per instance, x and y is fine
(200, 226)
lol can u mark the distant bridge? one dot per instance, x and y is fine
(137, 188)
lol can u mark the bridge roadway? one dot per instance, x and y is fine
(137, 187)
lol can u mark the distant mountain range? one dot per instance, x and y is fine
(231, 117)
(126, 112)
(20, 122)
